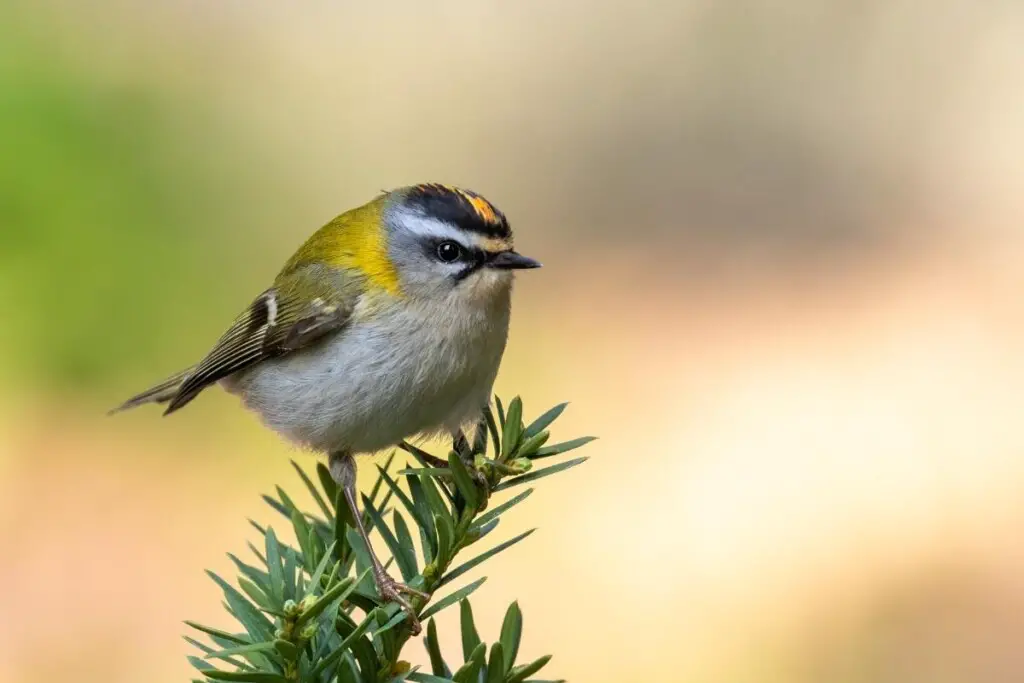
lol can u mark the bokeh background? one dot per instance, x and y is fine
(784, 264)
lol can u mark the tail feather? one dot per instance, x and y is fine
(161, 393)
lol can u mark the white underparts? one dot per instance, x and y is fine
(390, 375)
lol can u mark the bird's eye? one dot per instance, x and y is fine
(449, 252)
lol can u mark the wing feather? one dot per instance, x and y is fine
(301, 308)
(161, 393)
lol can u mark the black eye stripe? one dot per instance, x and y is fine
(468, 270)
(475, 260)
(470, 258)
(466, 253)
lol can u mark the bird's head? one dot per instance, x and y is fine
(449, 243)
(429, 243)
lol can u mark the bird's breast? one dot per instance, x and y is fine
(387, 377)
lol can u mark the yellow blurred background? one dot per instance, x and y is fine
(783, 254)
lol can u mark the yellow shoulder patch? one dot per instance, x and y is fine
(355, 241)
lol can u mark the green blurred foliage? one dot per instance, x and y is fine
(105, 240)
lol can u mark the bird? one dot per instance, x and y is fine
(388, 323)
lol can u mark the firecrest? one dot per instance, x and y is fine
(389, 322)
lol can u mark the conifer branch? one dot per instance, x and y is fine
(309, 612)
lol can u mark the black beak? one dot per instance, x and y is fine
(510, 260)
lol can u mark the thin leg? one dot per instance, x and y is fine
(461, 445)
(480, 439)
(467, 452)
(343, 471)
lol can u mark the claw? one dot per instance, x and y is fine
(409, 590)
(393, 591)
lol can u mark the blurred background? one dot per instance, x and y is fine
(784, 259)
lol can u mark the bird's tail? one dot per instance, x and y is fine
(161, 393)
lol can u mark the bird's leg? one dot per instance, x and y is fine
(343, 471)
(461, 445)
(480, 438)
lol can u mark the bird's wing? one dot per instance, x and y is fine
(301, 307)
(161, 393)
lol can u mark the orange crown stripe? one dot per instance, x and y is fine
(483, 209)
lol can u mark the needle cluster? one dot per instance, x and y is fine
(309, 612)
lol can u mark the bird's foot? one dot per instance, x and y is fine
(467, 454)
(483, 484)
(393, 591)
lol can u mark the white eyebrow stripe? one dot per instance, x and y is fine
(426, 226)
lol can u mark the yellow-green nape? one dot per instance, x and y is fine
(353, 241)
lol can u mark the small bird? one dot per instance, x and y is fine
(388, 323)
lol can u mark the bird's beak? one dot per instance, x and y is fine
(510, 260)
